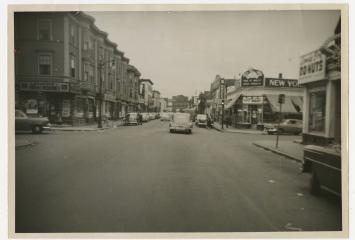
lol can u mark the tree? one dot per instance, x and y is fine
(202, 103)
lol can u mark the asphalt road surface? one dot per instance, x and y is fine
(145, 179)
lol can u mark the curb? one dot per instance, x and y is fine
(79, 130)
(25, 145)
(241, 132)
(278, 152)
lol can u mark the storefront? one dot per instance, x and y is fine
(255, 102)
(320, 74)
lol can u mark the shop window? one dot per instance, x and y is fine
(44, 30)
(44, 64)
(317, 111)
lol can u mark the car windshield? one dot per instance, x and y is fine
(202, 117)
(20, 114)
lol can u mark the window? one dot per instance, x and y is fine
(72, 33)
(44, 64)
(317, 111)
(86, 76)
(44, 30)
(72, 66)
(86, 45)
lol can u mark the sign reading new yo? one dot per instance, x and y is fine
(280, 82)
(252, 77)
(312, 67)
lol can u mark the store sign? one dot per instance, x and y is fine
(252, 100)
(252, 77)
(45, 86)
(280, 83)
(312, 67)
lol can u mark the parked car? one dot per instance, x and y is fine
(26, 123)
(131, 119)
(151, 116)
(324, 165)
(145, 117)
(201, 120)
(286, 126)
(181, 122)
(165, 116)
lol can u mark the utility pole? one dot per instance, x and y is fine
(99, 122)
(281, 101)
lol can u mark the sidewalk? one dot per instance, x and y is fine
(218, 127)
(91, 127)
(287, 148)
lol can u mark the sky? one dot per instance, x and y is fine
(182, 52)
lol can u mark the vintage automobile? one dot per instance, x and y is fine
(145, 117)
(151, 116)
(324, 165)
(165, 116)
(181, 122)
(201, 120)
(131, 119)
(34, 124)
(293, 126)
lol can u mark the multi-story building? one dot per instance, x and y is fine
(147, 94)
(65, 67)
(163, 104)
(218, 93)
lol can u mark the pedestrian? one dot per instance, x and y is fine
(209, 121)
(140, 118)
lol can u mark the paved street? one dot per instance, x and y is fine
(144, 179)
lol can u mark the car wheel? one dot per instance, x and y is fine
(281, 131)
(315, 185)
(190, 131)
(36, 129)
(171, 131)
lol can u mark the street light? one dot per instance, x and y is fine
(100, 66)
(222, 97)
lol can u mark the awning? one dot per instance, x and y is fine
(297, 102)
(293, 104)
(231, 103)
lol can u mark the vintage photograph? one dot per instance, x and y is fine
(179, 121)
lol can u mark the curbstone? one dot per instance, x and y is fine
(278, 152)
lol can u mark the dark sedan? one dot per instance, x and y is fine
(34, 124)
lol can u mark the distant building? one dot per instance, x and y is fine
(163, 104)
(180, 102)
(218, 92)
(146, 89)
(156, 101)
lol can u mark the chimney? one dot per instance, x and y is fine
(280, 75)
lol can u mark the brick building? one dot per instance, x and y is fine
(61, 59)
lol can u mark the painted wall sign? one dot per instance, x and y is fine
(45, 86)
(252, 100)
(280, 82)
(312, 67)
(252, 77)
